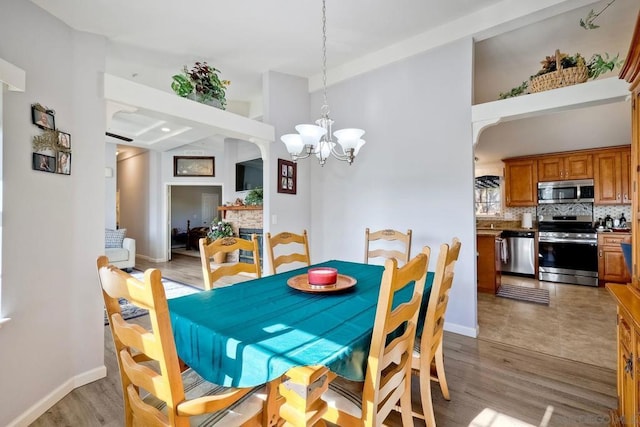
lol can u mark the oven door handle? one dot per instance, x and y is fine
(578, 241)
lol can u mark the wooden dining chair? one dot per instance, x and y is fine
(299, 241)
(387, 244)
(149, 363)
(388, 378)
(428, 361)
(227, 245)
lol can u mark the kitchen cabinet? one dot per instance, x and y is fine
(563, 167)
(488, 247)
(612, 170)
(611, 265)
(521, 182)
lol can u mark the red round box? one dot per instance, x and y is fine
(322, 276)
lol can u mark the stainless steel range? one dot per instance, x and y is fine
(568, 249)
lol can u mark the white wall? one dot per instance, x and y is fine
(415, 171)
(53, 225)
(110, 185)
(286, 105)
(135, 209)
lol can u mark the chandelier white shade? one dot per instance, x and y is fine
(316, 139)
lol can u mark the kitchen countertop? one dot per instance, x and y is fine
(501, 225)
(614, 232)
(488, 232)
(483, 228)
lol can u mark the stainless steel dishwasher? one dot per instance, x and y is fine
(519, 255)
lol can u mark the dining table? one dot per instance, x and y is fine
(273, 331)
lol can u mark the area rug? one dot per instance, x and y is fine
(523, 293)
(172, 289)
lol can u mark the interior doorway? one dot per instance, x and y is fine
(192, 208)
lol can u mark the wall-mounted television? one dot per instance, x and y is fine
(248, 174)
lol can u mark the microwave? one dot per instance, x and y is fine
(581, 190)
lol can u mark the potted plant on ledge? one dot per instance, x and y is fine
(560, 70)
(202, 84)
(220, 230)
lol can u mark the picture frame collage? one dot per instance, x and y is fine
(287, 176)
(52, 148)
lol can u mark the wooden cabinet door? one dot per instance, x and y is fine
(487, 263)
(611, 264)
(625, 176)
(626, 383)
(578, 166)
(606, 168)
(521, 183)
(613, 268)
(558, 168)
(550, 168)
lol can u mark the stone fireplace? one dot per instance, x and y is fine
(245, 220)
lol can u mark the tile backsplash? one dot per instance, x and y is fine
(515, 214)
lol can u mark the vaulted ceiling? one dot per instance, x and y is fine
(150, 40)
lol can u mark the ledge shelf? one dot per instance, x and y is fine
(595, 92)
(224, 209)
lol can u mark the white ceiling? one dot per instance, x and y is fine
(150, 40)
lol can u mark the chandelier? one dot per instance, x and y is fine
(316, 139)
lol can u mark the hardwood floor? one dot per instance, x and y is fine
(482, 375)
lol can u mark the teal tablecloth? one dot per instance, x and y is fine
(253, 332)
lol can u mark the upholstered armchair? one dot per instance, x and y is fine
(120, 250)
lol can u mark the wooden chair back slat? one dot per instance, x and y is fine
(227, 245)
(299, 241)
(135, 336)
(387, 236)
(145, 415)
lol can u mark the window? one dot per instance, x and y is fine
(488, 195)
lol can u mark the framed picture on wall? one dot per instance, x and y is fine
(42, 119)
(287, 176)
(64, 140)
(63, 163)
(44, 163)
(193, 166)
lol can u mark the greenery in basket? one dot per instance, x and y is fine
(201, 81)
(596, 66)
(254, 197)
(220, 229)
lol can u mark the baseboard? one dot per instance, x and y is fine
(43, 405)
(148, 258)
(461, 330)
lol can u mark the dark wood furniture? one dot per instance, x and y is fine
(627, 297)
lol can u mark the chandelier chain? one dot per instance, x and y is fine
(316, 139)
(325, 107)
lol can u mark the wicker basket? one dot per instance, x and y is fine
(560, 78)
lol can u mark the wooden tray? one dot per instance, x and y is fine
(301, 283)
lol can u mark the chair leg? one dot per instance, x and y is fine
(425, 396)
(442, 379)
(406, 410)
